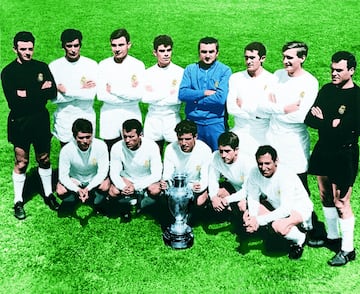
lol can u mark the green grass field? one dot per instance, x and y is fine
(47, 254)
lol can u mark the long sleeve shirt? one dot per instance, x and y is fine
(142, 167)
(199, 108)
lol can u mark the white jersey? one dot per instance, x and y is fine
(250, 122)
(194, 164)
(284, 191)
(76, 102)
(161, 89)
(122, 103)
(90, 166)
(142, 167)
(235, 173)
(287, 132)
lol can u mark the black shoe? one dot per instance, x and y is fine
(316, 242)
(51, 202)
(295, 251)
(126, 218)
(342, 258)
(19, 211)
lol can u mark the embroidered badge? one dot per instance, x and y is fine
(93, 161)
(40, 77)
(83, 80)
(342, 109)
(302, 95)
(198, 168)
(265, 87)
(216, 84)
(134, 78)
(146, 163)
(174, 83)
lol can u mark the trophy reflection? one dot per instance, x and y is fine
(179, 235)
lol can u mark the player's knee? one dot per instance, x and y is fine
(113, 191)
(43, 160)
(21, 165)
(60, 189)
(154, 189)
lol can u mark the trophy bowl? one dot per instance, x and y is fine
(179, 235)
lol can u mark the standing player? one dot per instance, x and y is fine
(335, 158)
(162, 82)
(248, 91)
(119, 87)
(75, 78)
(27, 85)
(204, 88)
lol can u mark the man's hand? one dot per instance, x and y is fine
(209, 92)
(83, 194)
(250, 222)
(46, 85)
(88, 84)
(21, 93)
(292, 107)
(61, 88)
(219, 204)
(108, 88)
(317, 112)
(239, 102)
(335, 122)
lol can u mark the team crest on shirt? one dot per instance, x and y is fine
(342, 109)
(40, 77)
(198, 168)
(83, 80)
(216, 84)
(147, 163)
(242, 178)
(265, 87)
(93, 161)
(174, 83)
(302, 95)
(279, 193)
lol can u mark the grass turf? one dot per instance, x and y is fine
(47, 254)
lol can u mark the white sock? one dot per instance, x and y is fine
(18, 182)
(45, 176)
(332, 222)
(296, 236)
(347, 231)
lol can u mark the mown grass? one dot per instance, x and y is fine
(47, 254)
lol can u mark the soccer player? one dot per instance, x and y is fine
(232, 168)
(335, 158)
(162, 82)
(83, 169)
(204, 88)
(119, 87)
(27, 85)
(286, 205)
(135, 167)
(189, 156)
(75, 77)
(248, 91)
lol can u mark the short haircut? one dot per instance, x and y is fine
(259, 47)
(209, 40)
(186, 127)
(162, 40)
(132, 124)
(228, 139)
(120, 33)
(345, 55)
(262, 150)
(81, 125)
(24, 37)
(70, 35)
(302, 48)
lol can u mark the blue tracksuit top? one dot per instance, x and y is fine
(205, 110)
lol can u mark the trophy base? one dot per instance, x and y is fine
(178, 241)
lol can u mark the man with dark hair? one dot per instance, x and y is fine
(135, 167)
(190, 156)
(119, 87)
(83, 169)
(75, 77)
(204, 88)
(161, 91)
(228, 173)
(249, 90)
(276, 197)
(27, 85)
(335, 158)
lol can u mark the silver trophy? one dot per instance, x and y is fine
(179, 235)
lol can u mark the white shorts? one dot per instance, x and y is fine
(161, 127)
(112, 119)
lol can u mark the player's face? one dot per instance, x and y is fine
(72, 50)
(267, 166)
(340, 74)
(84, 140)
(163, 55)
(132, 139)
(228, 155)
(120, 48)
(187, 142)
(292, 63)
(253, 60)
(208, 53)
(24, 51)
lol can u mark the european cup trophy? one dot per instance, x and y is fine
(179, 235)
